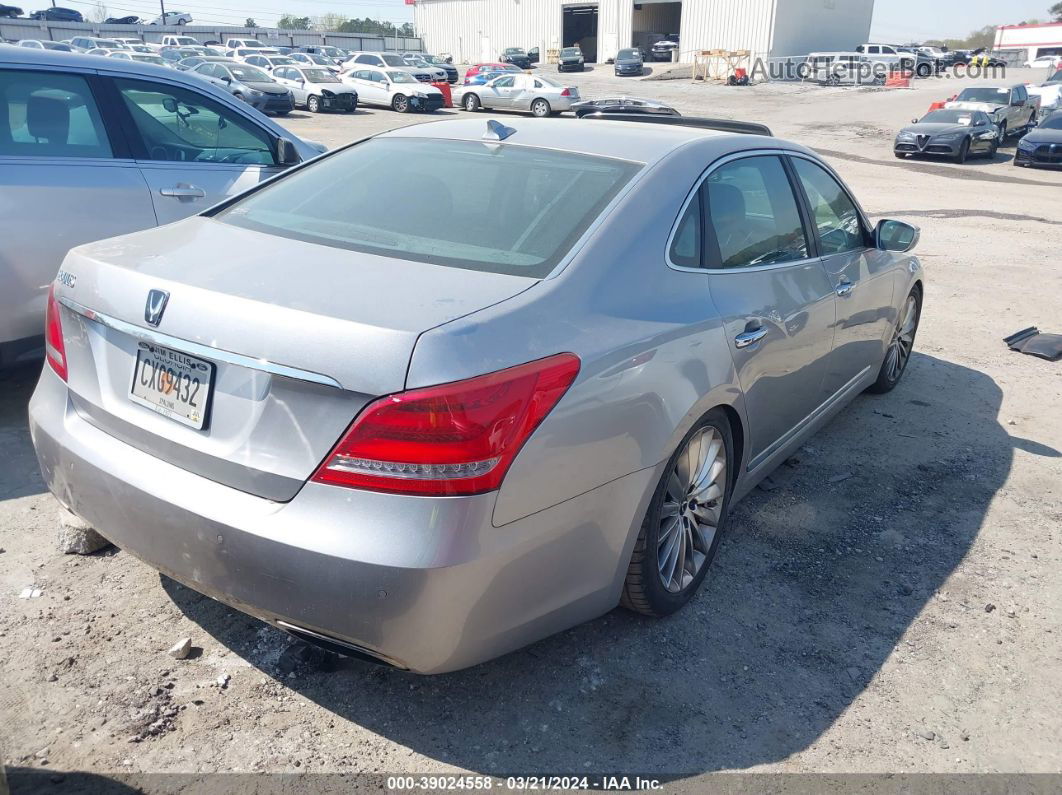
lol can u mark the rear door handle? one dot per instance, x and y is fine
(747, 338)
(183, 192)
(844, 288)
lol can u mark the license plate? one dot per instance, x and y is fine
(172, 383)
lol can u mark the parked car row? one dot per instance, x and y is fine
(979, 120)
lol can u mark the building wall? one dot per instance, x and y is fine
(803, 26)
(478, 30)
(766, 27)
(1031, 40)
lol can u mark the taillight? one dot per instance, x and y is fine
(452, 439)
(566, 93)
(55, 350)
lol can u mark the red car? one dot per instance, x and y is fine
(475, 69)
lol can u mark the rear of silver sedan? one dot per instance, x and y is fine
(227, 398)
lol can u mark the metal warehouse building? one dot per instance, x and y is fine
(478, 30)
(1032, 41)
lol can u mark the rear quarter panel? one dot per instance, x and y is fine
(654, 358)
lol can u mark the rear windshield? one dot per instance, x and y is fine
(995, 96)
(487, 207)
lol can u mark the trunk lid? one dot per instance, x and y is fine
(300, 337)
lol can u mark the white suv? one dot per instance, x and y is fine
(390, 60)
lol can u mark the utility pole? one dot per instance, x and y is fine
(162, 5)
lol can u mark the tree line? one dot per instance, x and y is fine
(342, 24)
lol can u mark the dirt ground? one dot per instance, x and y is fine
(889, 601)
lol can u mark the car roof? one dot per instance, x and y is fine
(640, 142)
(117, 66)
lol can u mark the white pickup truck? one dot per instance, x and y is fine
(179, 41)
(1011, 108)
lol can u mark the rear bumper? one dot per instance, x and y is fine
(426, 584)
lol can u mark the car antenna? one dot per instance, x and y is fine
(496, 131)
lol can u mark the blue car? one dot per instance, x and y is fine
(480, 78)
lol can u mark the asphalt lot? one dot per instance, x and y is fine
(889, 601)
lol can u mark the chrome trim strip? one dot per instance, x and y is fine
(197, 349)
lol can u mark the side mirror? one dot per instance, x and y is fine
(896, 236)
(914, 121)
(287, 154)
(1019, 103)
(170, 105)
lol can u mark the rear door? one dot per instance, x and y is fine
(374, 86)
(772, 293)
(66, 178)
(861, 275)
(193, 151)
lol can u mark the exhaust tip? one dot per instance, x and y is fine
(337, 646)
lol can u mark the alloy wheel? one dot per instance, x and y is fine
(691, 511)
(902, 340)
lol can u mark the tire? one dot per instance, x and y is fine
(180, 22)
(991, 153)
(1002, 133)
(313, 104)
(898, 354)
(656, 588)
(540, 109)
(283, 112)
(400, 104)
(470, 102)
(964, 151)
(924, 70)
(900, 155)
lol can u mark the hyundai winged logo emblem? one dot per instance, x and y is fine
(156, 305)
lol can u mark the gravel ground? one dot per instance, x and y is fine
(888, 601)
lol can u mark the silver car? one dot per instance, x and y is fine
(431, 432)
(518, 91)
(74, 168)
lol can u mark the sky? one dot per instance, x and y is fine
(894, 20)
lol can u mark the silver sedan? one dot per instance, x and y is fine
(431, 432)
(517, 91)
